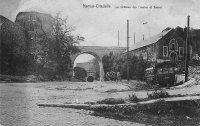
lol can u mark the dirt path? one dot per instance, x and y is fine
(18, 104)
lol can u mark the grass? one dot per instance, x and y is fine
(141, 85)
(133, 98)
(154, 95)
(158, 94)
(90, 103)
(138, 85)
(111, 101)
(158, 113)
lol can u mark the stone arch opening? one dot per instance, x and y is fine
(90, 79)
(99, 60)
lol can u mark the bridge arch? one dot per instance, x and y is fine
(99, 59)
(98, 52)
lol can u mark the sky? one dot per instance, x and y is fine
(83, 58)
(100, 26)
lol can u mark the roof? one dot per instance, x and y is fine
(33, 12)
(195, 32)
(150, 40)
(6, 20)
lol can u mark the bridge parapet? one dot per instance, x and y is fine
(100, 50)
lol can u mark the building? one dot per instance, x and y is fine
(194, 40)
(195, 43)
(13, 47)
(35, 23)
(165, 46)
(38, 27)
(11, 33)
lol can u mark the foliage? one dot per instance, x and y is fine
(90, 103)
(90, 79)
(158, 113)
(80, 73)
(111, 76)
(158, 94)
(157, 108)
(108, 61)
(137, 68)
(111, 101)
(14, 57)
(133, 98)
(117, 63)
(44, 51)
(195, 62)
(53, 48)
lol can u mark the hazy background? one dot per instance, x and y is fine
(100, 26)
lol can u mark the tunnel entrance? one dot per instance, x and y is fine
(92, 65)
(90, 79)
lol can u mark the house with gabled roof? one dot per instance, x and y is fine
(165, 46)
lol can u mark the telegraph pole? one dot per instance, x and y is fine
(187, 53)
(128, 51)
(118, 38)
(134, 37)
(144, 24)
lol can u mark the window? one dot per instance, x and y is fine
(165, 51)
(165, 70)
(160, 71)
(31, 27)
(29, 18)
(181, 52)
(171, 70)
(32, 18)
(190, 49)
(37, 26)
(173, 45)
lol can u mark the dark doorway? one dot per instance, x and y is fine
(173, 57)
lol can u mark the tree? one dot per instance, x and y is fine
(55, 47)
(13, 53)
(80, 73)
(117, 63)
(108, 61)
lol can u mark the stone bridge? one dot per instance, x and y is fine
(98, 52)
